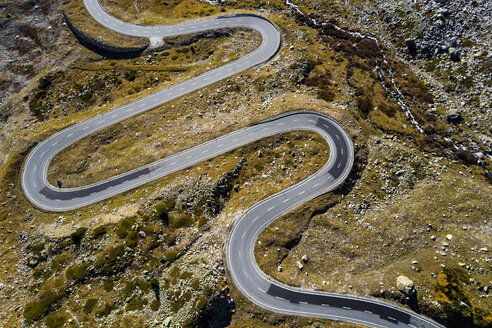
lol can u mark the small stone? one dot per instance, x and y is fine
(454, 54)
(279, 269)
(32, 263)
(142, 234)
(449, 237)
(167, 321)
(453, 115)
(305, 258)
(300, 265)
(433, 238)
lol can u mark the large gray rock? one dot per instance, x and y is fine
(405, 285)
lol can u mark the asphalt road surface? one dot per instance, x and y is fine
(253, 283)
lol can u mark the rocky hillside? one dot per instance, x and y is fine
(415, 101)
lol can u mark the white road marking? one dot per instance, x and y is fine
(367, 311)
(261, 290)
(71, 134)
(285, 200)
(302, 302)
(86, 128)
(347, 308)
(336, 136)
(302, 192)
(316, 185)
(326, 305)
(271, 208)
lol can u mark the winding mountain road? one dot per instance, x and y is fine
(251, 281)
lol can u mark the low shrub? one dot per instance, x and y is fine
(55, 321)
(195, 284)
(155, 305)
(460, 312)
(46, 303)
(110, 261)
(136, 304)
(78, 235)
(60, 261)
(466, 156)
(364, 104)
(78, 273)
(104, 311)
(89, 305)
(201, 221)
(124, 226)
(130, 75)
(171, 256)
(109, 285)
(99, 232)
(183, 222)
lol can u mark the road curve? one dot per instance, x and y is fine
(255, 285)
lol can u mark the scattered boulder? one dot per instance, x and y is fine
(454, 54)
(167, 322)
(454, 115)
(305, 258)
(411, 46)
(405, 285)
(279, 269)
(300, 265)
(449, 237)
(142, 234)
(32, 263)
